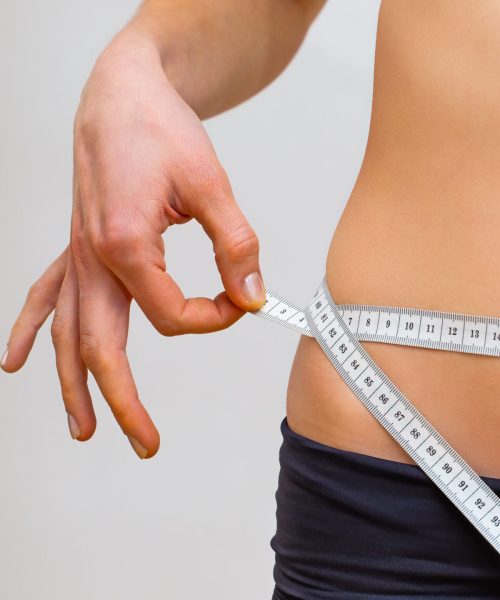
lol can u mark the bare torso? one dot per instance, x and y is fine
(421, 229)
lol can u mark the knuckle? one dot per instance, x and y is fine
(120, 411)
(25, 325)
(210, 178)
(116, 240)
(175, 323)
(123, 413)
(78, 242)
(36, 291)
(93, 353)
(57, 331)
(167, 327)
(83, 129)
(241, 243)
(86, 127)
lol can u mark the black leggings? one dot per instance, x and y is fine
(352, 526)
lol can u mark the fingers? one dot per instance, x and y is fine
(71, 369)
(104, 320)
(136, 258)
(163, 302)
(40, 302)
(235, 243)
(135, 255)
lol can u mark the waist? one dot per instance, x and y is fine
(382, 253)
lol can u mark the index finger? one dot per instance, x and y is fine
(142, 270)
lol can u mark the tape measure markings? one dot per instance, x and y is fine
(423, 443)
(422, 328)
(340, 329)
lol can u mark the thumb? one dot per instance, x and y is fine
(235, 243)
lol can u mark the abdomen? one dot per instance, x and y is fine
(421, 229)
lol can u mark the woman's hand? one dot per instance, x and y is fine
(142, 162)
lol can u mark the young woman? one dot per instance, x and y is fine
(420, 230)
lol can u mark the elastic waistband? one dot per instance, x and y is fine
(409, 471)
(353, 526)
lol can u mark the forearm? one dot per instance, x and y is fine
(219, 53)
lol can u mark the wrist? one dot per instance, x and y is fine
(131, 46)
(149, 28)
(143, 44)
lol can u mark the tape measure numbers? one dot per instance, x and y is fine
(454, 332)
(339, 331)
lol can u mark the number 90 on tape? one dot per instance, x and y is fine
(339, 330)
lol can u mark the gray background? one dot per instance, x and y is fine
(91, 520)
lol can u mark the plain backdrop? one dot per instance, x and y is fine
(90, 520)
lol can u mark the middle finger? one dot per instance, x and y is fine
(104, 322)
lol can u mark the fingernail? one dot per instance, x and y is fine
(253, 288)
(138, 447)
(3, 362)
(73, 426)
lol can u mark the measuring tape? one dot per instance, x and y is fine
(339, 330)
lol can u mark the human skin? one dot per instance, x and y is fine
(420, 229)
(143, 162)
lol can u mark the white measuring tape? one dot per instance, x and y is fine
(339, 329)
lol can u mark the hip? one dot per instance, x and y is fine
(356, 526)
(379, 255)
